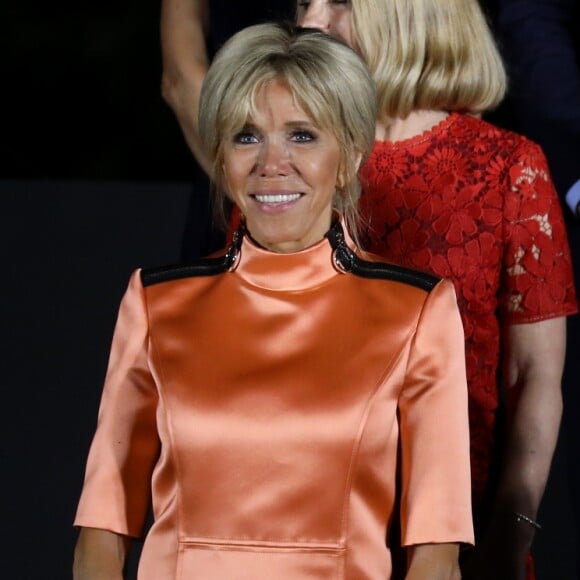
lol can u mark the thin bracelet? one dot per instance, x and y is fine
(522, 518)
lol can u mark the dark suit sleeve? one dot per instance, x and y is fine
(539, 39)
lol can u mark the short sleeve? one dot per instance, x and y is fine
(116, 490)
(537, 281)
(436, 482)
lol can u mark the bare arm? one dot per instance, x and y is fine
(99, 555)
(532, 375)
(185, 62)
(433, 562)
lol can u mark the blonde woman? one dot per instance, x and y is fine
(263, 398)
(449, 194)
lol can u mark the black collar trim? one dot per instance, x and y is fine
(344, 259)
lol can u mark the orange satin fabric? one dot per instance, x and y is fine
(262, 408)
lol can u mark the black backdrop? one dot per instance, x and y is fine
(67, 250)
(93, 182)
(81, 93)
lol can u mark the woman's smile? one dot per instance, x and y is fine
(276, 201)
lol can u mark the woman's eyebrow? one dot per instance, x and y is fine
(299, 123)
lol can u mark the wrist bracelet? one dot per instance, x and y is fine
(522, 518)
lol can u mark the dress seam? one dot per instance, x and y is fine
(156, 356)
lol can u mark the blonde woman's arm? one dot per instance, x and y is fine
(185, 63)
(532, 376)
(433, 562)
(99, 555)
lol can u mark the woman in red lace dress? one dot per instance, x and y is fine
(450, 194)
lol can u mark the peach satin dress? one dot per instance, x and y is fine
(261, 406)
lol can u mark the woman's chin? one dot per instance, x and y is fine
(283, 242)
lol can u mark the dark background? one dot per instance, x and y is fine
(94, 181)
(81, 94)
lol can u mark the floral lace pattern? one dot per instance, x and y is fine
(473, 203)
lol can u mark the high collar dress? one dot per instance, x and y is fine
(265, 404)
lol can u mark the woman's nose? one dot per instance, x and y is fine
(273, 158)
(316, 15)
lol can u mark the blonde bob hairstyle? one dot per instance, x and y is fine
(327, 79)
(429, 54)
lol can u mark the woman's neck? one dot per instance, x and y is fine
(415, 124)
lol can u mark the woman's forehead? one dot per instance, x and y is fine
(279, 91)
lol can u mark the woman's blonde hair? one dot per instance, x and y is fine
(327, 79)
(429, 54)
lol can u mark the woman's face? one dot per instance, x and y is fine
(330, 16)
(282, 172)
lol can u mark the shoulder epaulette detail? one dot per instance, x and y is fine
(203, 267)
(347, 261)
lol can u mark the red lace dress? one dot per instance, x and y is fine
(473, 203)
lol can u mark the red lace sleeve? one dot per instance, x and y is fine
(538, 282)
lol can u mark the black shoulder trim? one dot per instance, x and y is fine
(203, 267)
(347, 261)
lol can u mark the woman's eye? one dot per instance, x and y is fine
(303, 136)
(303, 4)
(245, 138)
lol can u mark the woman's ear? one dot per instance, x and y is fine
(342, 177)
(221, 182)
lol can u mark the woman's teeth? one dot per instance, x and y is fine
(277, 198)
